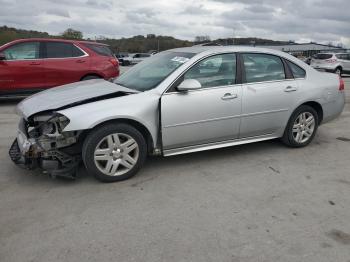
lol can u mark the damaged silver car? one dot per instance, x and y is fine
(178, 101)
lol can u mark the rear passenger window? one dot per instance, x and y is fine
(100, 49)
(62, 50)
(297, 71)
(263, 67)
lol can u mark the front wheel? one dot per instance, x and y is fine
(114, 152)
(302, 127)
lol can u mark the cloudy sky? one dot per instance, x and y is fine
(299, 20)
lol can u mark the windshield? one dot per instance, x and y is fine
(152, 71)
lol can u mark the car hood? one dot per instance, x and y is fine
(71, 95)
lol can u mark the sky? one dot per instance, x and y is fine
(322, 21)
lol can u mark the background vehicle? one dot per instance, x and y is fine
(179, 101)
(120, 57)
(332, 62)
(31, 65)
(135, 58)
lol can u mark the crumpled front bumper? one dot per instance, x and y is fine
(27, 153)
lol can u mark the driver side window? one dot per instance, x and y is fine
(218, 70)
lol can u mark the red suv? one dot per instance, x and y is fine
(30, 65)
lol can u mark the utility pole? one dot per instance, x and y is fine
(233, 39)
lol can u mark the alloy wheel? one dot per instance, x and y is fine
(116, 154)
(303, 127)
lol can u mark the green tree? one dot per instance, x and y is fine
(70, 33)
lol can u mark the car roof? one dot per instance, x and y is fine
(330, 53)
(215, 49)
(54, 40)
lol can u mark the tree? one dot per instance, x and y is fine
(202, 39)
(70, 33)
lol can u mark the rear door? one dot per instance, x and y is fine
(65, 63)
(23, 69)
(269, 93)
(347, 63)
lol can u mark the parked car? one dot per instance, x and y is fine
(31, 65)
(332, 62)
(136, 58)
(178, 101)
(120, 57)
(308, 60)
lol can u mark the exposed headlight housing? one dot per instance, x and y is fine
(51, 124)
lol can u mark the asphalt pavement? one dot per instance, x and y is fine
(256, 202)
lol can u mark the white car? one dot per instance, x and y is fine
(135, 58)
(338, 63)
(178, 101)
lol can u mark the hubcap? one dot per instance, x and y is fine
(116, 154)
(303, 127)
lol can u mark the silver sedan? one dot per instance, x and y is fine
(178, 101)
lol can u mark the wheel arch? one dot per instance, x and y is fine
(340, 67)
(91, 74)
(134, 123)
(317, 107)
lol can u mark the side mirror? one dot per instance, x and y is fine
(189, 84)
(2, 56)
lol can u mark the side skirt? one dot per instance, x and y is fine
(209, 146)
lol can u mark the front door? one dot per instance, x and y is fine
(23, 68)
(267, 95)
(206, 115)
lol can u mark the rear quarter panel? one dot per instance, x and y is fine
(323, 88)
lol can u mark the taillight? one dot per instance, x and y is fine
(331, 60)
(341, 84)
(114, 61)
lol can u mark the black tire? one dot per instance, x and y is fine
(288, 138)
(93, 139)
(338, 71)
(89, 77)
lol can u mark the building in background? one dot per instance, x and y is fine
(305, 50)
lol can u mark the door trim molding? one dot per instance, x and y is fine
(202, 121)
(209, 146)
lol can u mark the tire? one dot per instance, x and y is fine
(105, 152)
(89, 77)
(306, 129)
(338, 71)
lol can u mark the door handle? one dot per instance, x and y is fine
(80, 61)
(290, 89)
(229, 96)
(34, 63)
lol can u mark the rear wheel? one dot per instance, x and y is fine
(338, 71)
(302, 127)
(114, 152)
(89, 77)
